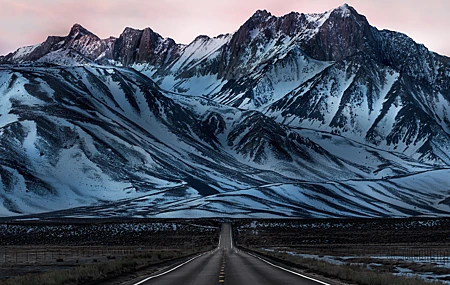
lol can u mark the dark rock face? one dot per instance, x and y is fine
(126, 48)
(77, 32)
(51, 44)
(148, 44)
(291, 23)
(155, 50)
(253, 35)
(345, 33)
(257, 137)
(410, 58)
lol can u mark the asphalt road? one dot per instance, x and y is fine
(227, 265)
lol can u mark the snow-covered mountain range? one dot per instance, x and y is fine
(307, 115)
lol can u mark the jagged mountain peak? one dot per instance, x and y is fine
(80, 39)
(143, 46)
(345, 10)
(295, 23)
(146, 34)
(202, 38)
(258, 19)
(78, 29)
(261, 14)
(292, 14)
(342, 33)
(129, 30)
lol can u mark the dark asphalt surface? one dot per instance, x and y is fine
(227, 265)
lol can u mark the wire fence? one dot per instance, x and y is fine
(34, 255)
(417, 253)
(438, 255)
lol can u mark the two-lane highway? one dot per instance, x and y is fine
(227, 265)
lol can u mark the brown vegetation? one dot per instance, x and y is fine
(98, 272)
(83, 251)
(374, 249)
(356, 274)
(343, 231)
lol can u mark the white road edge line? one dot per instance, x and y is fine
(231, 238)
(165, 272)
(287, 270)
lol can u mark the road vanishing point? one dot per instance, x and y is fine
(228, 265)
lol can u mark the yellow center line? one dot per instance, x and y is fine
(222, 270)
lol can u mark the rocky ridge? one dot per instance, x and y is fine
(303, 115)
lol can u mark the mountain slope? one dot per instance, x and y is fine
(300, 115)
(74, 136)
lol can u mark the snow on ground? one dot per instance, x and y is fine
(356, 199)
(318, 19)
(283, 76)
(199, 49)
(199, 85)
(140, 132)
(375, 162)
(344, 260)
(24, 51)
(30, 141)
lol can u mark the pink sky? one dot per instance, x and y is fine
(27, 22)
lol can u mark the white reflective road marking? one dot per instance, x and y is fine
(231, 238)
(176, 267)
